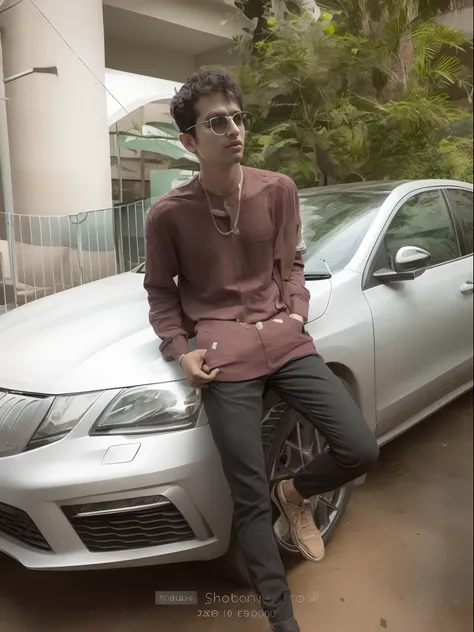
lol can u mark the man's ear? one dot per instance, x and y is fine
(188, 141)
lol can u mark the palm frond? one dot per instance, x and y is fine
(430, 33)
(447, 71)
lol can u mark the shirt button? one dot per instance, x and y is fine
(259, 325)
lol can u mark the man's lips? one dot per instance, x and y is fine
(236, 143)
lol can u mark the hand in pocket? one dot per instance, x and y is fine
(297, 317)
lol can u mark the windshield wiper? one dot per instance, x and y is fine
(317, 276)
(319, 270)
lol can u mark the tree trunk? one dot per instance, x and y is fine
(400, 71)
(401, 63)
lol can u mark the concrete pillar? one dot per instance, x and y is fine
(59, 141)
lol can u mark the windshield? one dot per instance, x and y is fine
(334, 225)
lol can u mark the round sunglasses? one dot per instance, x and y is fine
(220, 124)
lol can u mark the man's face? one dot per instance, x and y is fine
(209, 147)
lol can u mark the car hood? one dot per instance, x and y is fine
(93, 337)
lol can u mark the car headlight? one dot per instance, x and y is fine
(150, 409)
(62, 417)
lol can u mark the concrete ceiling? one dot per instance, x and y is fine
(130, 27)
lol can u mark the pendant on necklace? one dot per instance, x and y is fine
(236, 231)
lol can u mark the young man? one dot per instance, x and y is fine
(231, 236)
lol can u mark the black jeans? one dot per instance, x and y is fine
(234, 411)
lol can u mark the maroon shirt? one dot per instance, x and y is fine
(235, 292)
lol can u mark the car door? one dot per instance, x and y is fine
(422, 327)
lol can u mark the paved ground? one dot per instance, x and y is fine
(401, 562)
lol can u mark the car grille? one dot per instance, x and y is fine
(20, 416)
(132, 528)
(17, 524)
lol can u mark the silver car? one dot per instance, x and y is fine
(106, 457)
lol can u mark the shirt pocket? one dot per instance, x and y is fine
(299, 326)
(214, 339)
(203, 339)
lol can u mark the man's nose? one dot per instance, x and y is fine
(234, 129)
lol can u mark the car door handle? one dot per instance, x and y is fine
(467, 287)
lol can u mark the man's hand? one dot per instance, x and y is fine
(297, 317)
(197, 373)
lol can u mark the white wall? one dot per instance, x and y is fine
(461, 19)
(57, 124)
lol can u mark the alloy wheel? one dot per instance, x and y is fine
(302, 443)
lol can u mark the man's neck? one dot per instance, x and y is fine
(221, 181)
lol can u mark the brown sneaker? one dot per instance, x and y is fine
(303, 530)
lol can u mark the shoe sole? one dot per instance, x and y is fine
(277, 502)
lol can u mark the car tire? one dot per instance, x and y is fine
(276, 427)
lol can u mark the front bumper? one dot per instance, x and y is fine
(181, 467)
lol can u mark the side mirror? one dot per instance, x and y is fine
(412, 259)
(410, 262)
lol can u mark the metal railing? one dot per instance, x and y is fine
(43, 255)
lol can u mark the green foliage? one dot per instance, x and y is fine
(357, 94)
(403, 143)
(453, 158)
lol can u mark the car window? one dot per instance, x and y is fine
(462, 203)
(423, 221)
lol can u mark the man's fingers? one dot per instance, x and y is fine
(201, 377)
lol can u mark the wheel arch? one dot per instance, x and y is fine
(344, 372)
(341, 370)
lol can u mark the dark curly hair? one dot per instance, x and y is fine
(200, 83)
